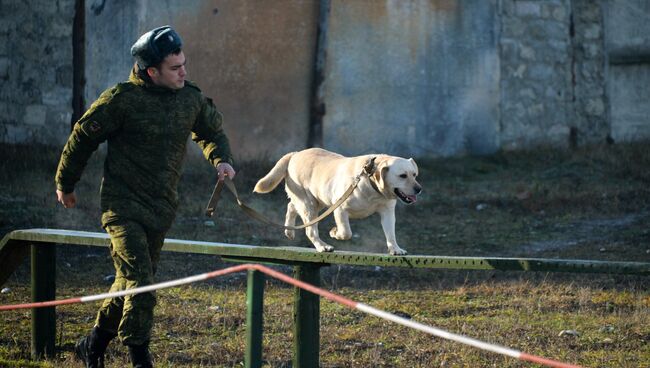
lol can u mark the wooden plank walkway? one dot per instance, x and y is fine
(12, 252)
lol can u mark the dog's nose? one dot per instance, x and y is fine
(417, 189)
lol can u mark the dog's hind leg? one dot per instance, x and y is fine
(290, 220)
(307, 214)
(342, 229)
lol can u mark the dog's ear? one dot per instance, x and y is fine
(379, 175)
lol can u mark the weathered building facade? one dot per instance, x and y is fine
(407, 77)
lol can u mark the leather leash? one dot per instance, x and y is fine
(368, 169)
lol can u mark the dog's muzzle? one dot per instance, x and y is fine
(408, 198)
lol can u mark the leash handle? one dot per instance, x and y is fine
(214, 198)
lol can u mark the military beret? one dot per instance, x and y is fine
(152, 47)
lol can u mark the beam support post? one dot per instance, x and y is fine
(43, 289)
(306, 318)
(254, 319)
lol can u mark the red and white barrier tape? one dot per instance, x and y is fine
(318, 291)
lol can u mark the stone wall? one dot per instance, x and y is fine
(552, 73)
(627, 43)
(590, 123)
(35, 70)
(407, 77)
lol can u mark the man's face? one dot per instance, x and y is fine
(170, 73)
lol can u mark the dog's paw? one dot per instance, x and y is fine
(324, 248)
(334, 234)
(397, 251)
(291, 234)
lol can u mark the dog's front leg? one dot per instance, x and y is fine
(388, 224)
(312, 234)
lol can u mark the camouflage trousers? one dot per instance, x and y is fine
(135, 251)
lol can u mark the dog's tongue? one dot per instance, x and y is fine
(412, 198)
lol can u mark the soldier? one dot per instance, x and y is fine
(146, 122)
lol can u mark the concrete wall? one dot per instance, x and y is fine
(253, 58)
(417, 78)
(35, 70)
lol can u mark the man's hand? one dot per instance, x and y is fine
(68, 200)
(224, 169)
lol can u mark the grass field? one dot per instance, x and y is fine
(591, 203)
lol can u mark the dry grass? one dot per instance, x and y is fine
(592, 204)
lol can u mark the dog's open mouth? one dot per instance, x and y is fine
(408, 199)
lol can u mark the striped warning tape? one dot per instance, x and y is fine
(318, 291)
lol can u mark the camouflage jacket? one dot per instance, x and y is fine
(146, 128)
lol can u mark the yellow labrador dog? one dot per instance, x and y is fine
(316, 178)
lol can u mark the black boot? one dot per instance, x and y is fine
(91, 349)
(140, 357)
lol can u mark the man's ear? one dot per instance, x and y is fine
(152, 72)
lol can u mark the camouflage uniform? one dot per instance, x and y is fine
(146, 127)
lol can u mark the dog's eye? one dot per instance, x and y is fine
(403, 176)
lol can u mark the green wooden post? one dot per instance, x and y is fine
(254, 319)
(43, 289)
(306, 318)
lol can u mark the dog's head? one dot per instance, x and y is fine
(396, 178)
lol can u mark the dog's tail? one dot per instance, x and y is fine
(275, 176)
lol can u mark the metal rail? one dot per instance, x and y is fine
(306, 263)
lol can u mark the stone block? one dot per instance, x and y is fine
(595, 107)
(58, 96)
(13, 133)
(14, 6)
(31, 73)
(528, 9)
(558, 134)
(64, 76)
(61, 116)
(541, 72)
(592, 50)
(517, 72)
(5, 63)
(528, 93)
(514, 28)
(4, 110)
(508, 7)
(45, 6)
(559, 13)
(527, 53)
(7, 25)
(60, 28)
(66, 8)
(592, 31)
(589, 11)
(508, 52)
(35, 115)
(559, 45)
(4, 44)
